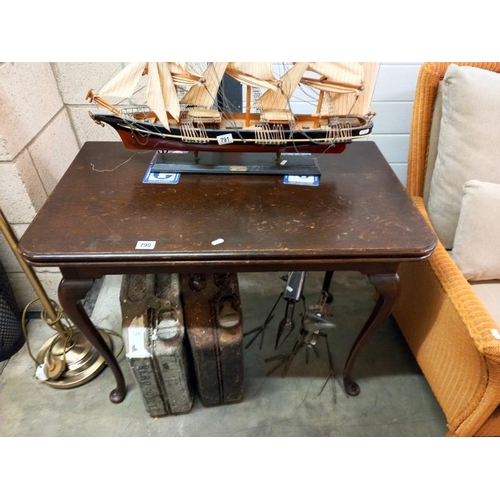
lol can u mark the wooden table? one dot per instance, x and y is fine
(359, 218)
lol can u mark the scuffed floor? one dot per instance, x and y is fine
(395, 398)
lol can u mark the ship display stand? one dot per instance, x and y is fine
(190, 113)
(295, 164)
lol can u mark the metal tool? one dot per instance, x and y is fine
(317, 312)
(261, 330)
(292, 295)
(331, 373)
(311, 325)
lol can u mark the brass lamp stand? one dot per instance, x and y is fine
(68, 359)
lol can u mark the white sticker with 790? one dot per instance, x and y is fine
(145, 245)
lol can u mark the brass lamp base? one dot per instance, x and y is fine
(80, 365)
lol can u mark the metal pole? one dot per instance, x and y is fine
(72, 365)
(32, 277)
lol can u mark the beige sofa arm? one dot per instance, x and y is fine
(466, 302)
(449, 332)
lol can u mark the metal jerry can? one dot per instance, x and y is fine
(157, 350)
(214, 326)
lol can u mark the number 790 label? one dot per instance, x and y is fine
(145, 245)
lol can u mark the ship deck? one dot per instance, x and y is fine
(251, 121)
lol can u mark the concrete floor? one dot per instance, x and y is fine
(395, 398)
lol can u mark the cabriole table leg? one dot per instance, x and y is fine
(387, 285)
(71, 292)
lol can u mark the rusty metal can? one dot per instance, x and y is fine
(214, 327)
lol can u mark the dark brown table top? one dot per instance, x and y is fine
(359, 211)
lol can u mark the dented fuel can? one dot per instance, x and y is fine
(214, 326)
(156, 343)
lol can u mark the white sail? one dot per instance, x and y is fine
(328, 86)
(362, 105)
(125, 82)
(168, 91)
(279, 99)
(204, 93)
(255, 74)
(160, 95)
(154, 94)
(336, 76)
(182, 73)
(360, 102)
(178, 67)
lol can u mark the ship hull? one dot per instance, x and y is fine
(148, 136)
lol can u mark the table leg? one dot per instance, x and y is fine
(327, 281)
(387, 285)
(71, 292)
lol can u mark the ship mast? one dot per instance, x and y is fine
(161, 93)
(274, 103)
(346, 87)
(252, 74)
(121, 85)
(204, 93)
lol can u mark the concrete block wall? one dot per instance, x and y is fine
(393, 102)
(74, 80)
(43, 123)
(37, 143)
(44, 120)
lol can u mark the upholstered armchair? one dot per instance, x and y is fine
(449, 303)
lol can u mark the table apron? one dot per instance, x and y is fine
(98, 270)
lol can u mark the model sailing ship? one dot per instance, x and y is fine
(185, 108)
